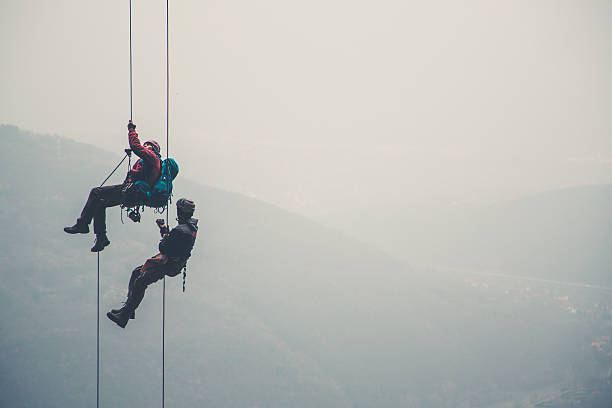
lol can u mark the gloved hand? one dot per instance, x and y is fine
(163, 228)
(131, 126)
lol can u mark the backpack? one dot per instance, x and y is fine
(158, 195)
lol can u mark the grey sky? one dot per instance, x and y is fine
(322, 105)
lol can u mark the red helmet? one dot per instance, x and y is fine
(155, 145)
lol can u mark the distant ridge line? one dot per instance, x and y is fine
(519, 277)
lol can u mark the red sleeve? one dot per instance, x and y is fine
(145, 155)
(139, 150)
(137, 166)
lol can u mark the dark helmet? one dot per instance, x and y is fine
(185, 206)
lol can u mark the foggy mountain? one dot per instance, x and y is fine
(560, 234)
(279, 311)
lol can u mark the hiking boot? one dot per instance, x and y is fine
(101, 242)
(78, 228)
(132, 315)
(121, 318)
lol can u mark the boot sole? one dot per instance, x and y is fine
(94, 249)
(75, 232)
(115, 320)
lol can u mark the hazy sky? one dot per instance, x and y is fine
(320, 106)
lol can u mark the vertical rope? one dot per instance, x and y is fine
(167, 206)
(167, 81)
(131, 111)
(98, 262)
(98, 342)
(164, 344)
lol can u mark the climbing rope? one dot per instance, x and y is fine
(131, 111)
(167, 209)
(117, 166)
(128, 154)
(98, 342)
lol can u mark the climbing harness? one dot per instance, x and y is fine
(158, 195)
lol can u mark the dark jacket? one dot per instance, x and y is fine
(179, 242)
(148, 167)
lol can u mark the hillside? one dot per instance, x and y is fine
(562, 234)
(278, 311)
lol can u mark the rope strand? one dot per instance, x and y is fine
(98, 343)
(98, 254)
(167, 209)
(131, 110)
(114, 170)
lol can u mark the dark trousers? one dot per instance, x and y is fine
(144, 275)
(100, 198)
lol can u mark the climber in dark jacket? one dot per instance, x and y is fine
(174, 251)
(147, 168)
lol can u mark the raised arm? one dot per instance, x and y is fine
(137, 148)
